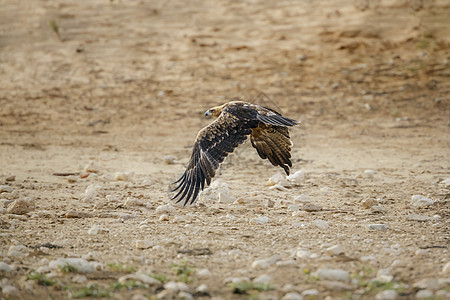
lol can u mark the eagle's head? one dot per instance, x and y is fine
(214, 112)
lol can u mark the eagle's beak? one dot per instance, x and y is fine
(208, 113)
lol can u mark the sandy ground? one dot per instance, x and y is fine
(121, 87)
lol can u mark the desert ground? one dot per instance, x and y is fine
(100, 103)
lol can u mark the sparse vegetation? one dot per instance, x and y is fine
(129, 285)
(68, 268)
(184, 271)
(160, 277)
(92, 290)
(40, 278)
(117, 267)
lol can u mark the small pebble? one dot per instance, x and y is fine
(302, 198)
(368, 174)
(169, 159)
(261, 220)
(368, 258)
(185, 295)
(419, 218)
(379, 227)
(321, 224)
(203, 288)
(296, 178)
(5, 267)
(424, 294)
(90, 192)
(78, 214)
(167, 208)
(226, 198)
(335, 250)
(164, 217)
(133, 202)
(81, 265)
(384, 276)
(311, 292)
(368, 203)
(446, 269)
(9, 290)
(311, 207)
(421, 252)
(278, 179)
(95, 229)
(20, 206)
(11, 178)
(278, 187)
(72, 179)
(293, 207)
(427, 284)
(144, 244)
(387, 295)
(203, 273)
(332, 274)
(139, 277)
(292, 296)
(122, 176)
(303, 254)
(269, 203)
(79, 279)
(264, 279)
(421, 201)
(6, 189)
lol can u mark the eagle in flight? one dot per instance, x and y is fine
(236, 120)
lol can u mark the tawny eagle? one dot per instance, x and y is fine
(236, 120)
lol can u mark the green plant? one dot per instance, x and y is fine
(184, 271)
(129, 285)
(67, 268)
(40, 278)
(160, 277)
(116, 267)
(54, 26)
(92, 290)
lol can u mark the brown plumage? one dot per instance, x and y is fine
(236, 120)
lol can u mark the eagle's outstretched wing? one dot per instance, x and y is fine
(211, 147)
(273, 142)
(237, 120)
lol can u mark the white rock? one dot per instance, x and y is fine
(311, 292)
(91, 167)
(421, 201)
(88, 256)
(427, 284)
(368, 258)
(81, 265)
(185, 295)
(43, 269)
(9, 290)
(164, 217)
(332, 274)
(144, 244)
(212, 192)
(202, 288)
(387, 295)
(203, 273)
(296, 178)
(176, 286)
(20, 206)
(384, 276)
(421, 252)
(397, 263)
(424, 294)
(419, 218)
(278, 187)
(121, 176)
(379, 227)
(264, 279)
(6, 189)
(335, 250)
(95, 229)
(292, 296)
(266, 262)
(226, 198)
(303, 254)
(279, 179)
(446, 269)
(17, 250)
(446, 182)
(293, 207)
(133, 202)
(79, 278)
(368, 173)
(163, 209)
(321, 224)
(302, 198)
(90, 192)
(5, 267)
(140, 277)
(169, 159)
(261, 220)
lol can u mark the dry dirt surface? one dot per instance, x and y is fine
(100, 102)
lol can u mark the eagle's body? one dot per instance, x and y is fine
(236, 120)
